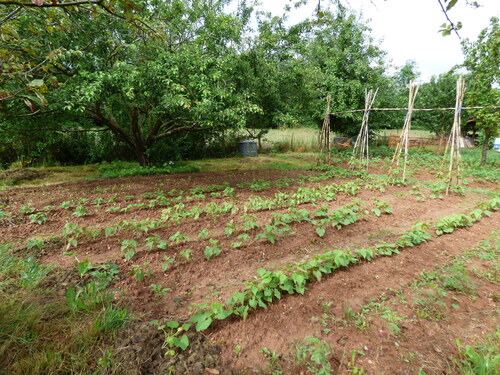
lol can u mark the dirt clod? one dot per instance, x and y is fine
(138, 350)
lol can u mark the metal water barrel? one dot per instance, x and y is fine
(247, 148)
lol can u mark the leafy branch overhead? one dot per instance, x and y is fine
(448, 27)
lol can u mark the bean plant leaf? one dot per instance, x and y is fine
(202, 320)
(182, 342)
(320, 231)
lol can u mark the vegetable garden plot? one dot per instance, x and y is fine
(199, 256)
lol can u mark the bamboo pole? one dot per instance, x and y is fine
(324, 139)
(405, 134)
(455, 137)
(414, 109)
(361, 149)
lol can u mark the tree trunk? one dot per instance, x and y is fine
(487, 136)
(141, 155)
(138, 141)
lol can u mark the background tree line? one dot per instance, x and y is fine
(156, 80)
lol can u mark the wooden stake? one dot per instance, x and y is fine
(361, 150)
(405, 134)
(455, 137)
(324, 139)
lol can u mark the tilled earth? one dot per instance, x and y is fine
(368, 313)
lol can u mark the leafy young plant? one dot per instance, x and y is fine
(186, 253)
(141, 272)
(242, 238)
(381, 208)
(175, 336)
(159, 290)
(66, 205)
(178, 237)
(212, 250)
(39, 218)
(153, 241)
(167, 261)
(449, 223)
(35, 242)
(84, 267)
(230, 228)
(27, 209)
(314, 354)
(80, 211)
(129, 247)
(203, 234)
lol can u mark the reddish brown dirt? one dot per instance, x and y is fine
(292, 319)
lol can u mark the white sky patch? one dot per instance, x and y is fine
(408, 29)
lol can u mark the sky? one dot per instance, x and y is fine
(408, 29)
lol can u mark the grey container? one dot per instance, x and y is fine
(247, 148)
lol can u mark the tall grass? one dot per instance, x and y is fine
(291, 140)
(39, 332)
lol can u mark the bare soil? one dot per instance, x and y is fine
(323, 311)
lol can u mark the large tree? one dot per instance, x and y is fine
(142, 85)
(482, 60)
(439, 92)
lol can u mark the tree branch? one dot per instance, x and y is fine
(51, 4)
(111, 123)
(453, 27)
(11, 14)
(65, 130)
(176, 130)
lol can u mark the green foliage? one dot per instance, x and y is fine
(175, 336)
(314, 354)
(439, 92)
(213, 249)
(27, 209)
(274, 363)
(87, 297)
(141, 272)
(482, 60)
(449, 223)
(381, 208)
(159, 290)
(481, 359)
(80, 211)
(39, 217)
(271, 285)
(129, 248)
(121, 169)
(110, 318)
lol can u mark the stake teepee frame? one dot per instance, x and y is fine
(455, 137)
(324, 138)
(405, 134)
(360, 151)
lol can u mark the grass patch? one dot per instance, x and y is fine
(481, 359)
(413, 132)
(473, 156)
(127, 169)
(45, 175)
(278, 162)
(39, 331)
(291, 140)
